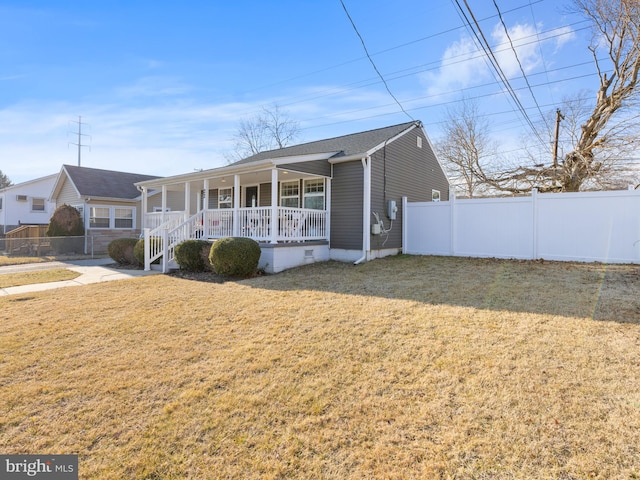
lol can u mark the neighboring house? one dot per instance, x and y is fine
(26, 203)
(338, 198)
(108, 201)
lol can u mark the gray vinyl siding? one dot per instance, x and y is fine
(265, 195)
(316, 167)
(410, 172)
(175, 201)
(346, 206)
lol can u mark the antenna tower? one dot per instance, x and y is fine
(80, 135)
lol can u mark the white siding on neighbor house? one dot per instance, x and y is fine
(15, 212)
(583, 226)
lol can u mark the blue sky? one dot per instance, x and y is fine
(162, 85)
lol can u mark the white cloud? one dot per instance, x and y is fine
(461, 66)
(523, 42)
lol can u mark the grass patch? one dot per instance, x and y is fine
(40, 276)
(407, 367)
(12, 260)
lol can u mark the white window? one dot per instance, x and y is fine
(225, 198)
(435, 195)
(123, 217)
(290, 194)
(314, 194)
(419, 141)
(119, 218)
(37, 204)
(99, 217)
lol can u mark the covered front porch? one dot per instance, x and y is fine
(272, 205)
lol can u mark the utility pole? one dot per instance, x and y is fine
(80, 135)
(559, 117)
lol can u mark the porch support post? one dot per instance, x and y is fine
(187, 200)
(274, 206)
(205, 202)
(236, 205)
(144, 207)
(205, 207)
(164, 203)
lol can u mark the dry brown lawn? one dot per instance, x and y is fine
(406, 367)
(40, 276)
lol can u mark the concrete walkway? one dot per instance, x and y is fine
(91, 271)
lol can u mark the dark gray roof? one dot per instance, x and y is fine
(93, 182)
(346, 145)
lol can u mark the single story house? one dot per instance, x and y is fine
(108, 201)
(26, 203)
(337, 198)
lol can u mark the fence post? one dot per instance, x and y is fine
(405, 225)
(534, 214)
(453, 234)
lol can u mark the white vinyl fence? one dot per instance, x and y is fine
(583, 226)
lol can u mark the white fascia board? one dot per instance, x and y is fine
(303, 158)
(112, 199)
(392, 139)
(211, 173)
(348, 158)
(55, 191)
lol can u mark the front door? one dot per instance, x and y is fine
(251, 196)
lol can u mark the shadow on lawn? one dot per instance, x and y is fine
(601, 292)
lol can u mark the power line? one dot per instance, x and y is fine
(515, 53)
(489, 54)
(372, 62)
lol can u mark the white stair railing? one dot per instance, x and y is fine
(161, 241)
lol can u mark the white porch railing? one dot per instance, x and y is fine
(291, 225)
(155, 219)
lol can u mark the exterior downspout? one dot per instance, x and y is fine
(366, 209)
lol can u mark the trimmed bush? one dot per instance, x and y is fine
(121, 251)
(138, 250)
(235, 256)
(189, 255)
(66, 221)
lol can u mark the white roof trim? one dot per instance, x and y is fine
(392, 139)
(258, 165)
(309, 157)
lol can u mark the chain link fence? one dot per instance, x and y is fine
(46, 246)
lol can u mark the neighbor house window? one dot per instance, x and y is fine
(225, 196)
(123, 217)
(1, 198)
(290, 194)
(37, 204)
(314, 194)
(435, 195)
(99, 217)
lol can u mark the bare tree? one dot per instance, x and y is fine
(270, 129)
(609, 131)
(464, 148)
(4, 180)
